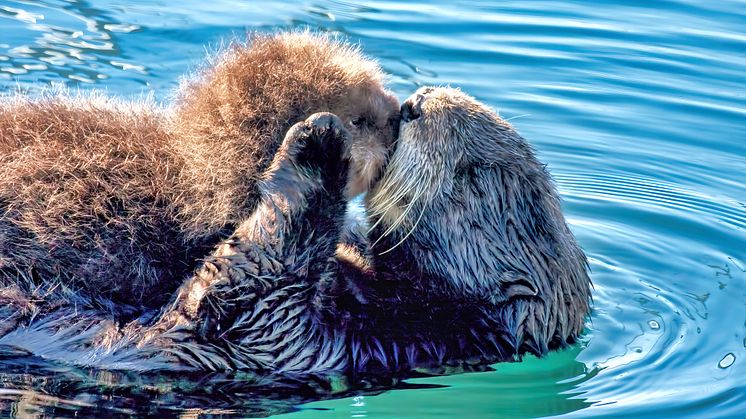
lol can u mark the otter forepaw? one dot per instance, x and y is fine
(323, 137)
(324, 122)
(321, 145)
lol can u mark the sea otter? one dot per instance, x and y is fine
(113, 203)
(468, 261)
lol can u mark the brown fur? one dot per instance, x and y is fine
(122, 198)
(220, 108)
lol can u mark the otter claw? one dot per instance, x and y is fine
(324, 121)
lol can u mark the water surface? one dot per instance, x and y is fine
(638, 107)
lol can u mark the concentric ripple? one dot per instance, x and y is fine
(639, 109)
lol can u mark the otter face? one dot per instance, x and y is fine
(464, 201)
(444, 137)
(372, 117)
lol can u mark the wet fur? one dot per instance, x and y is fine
(466, 217)
(255, 302)
(469, 261)
(113, 203)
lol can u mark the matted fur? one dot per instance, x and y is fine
(122, 198)
(253, 304)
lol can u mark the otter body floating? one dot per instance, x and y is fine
(468, 261)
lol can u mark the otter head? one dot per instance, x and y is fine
(371, 115)
(231, 116)
(321, 73)
(467, 209)
(318, 73)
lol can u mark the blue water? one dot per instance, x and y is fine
(638, 107)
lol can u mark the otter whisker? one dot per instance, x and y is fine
(517, 116)
(380, 213)
(384, 207)
(401, 189)
(408, 234)
(419, 184)
(398, 222)
(398, 181)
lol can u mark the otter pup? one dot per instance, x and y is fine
(256, 303)
(470, 261)
(113, 203)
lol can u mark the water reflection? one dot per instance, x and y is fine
(58, 41)
(30, 386)
(532, 388)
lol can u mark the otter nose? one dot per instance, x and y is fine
(412, 108)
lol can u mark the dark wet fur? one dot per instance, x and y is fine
(484, 250)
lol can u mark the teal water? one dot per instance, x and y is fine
(638, 107)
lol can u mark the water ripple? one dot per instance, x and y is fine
(656, 195)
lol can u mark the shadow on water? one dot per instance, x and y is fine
(31, 386)
(532, 388)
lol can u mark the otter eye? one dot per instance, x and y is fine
(357, 121)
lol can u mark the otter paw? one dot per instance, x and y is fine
(324, 122)
(320, 143)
